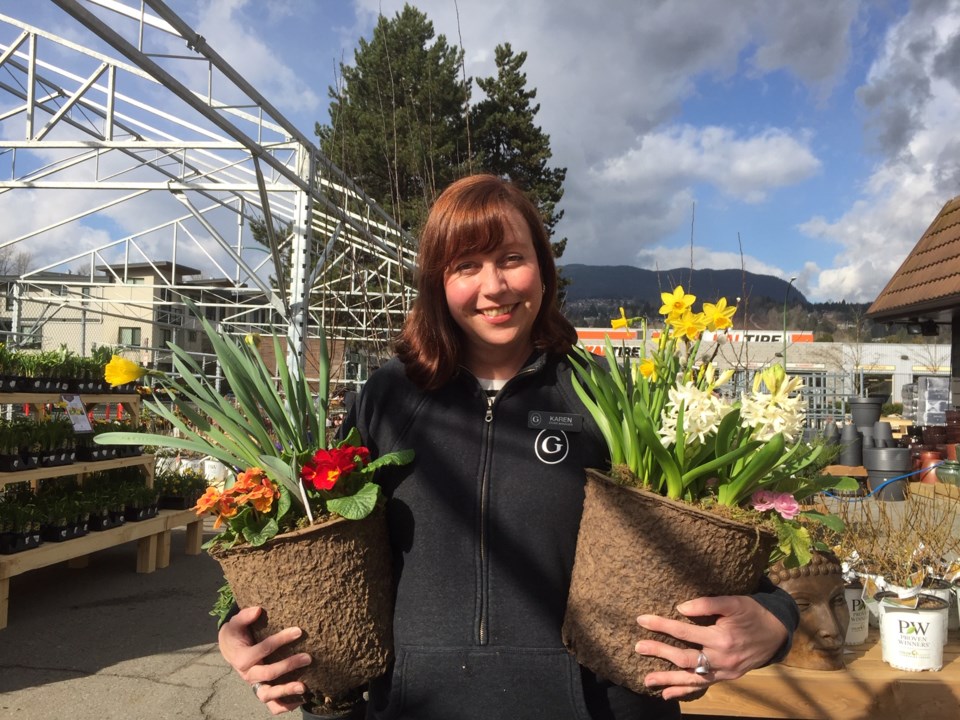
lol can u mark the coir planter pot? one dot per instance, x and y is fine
(332, 580)
(640, 553)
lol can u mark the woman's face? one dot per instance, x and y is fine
(818, 642)
(495, 297)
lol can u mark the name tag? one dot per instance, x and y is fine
(544, 420)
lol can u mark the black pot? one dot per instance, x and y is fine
(865, 411)
(887, 459)
(10, 383)
(18, 542)
(172, 502)
(11, 463)
(888, 486)
(852, 444)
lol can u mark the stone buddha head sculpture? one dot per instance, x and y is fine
(817, 589)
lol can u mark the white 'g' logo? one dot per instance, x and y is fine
(551, 446)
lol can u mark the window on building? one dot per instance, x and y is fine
(129, 336)
(166, 335)
(192, 336)
(32, 338)
(9, 297)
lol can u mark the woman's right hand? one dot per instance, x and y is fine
(246, 657)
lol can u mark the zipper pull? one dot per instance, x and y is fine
(489, 416)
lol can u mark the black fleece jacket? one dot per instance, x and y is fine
(483, 525)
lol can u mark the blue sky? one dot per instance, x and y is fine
(822, 133)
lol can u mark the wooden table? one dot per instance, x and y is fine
(867, 689)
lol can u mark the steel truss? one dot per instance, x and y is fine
(114, 121)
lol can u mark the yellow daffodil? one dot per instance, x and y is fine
(676, 303)
(620, 322)
(771, 378)
(253, 340)
(649, 370)
(120, 371)
(688, 325)
(719, 316)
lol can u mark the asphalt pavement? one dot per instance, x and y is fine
(104, 643)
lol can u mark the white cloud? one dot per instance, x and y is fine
(743, 168)
(914, 112)
(612, 76)
(231, 27)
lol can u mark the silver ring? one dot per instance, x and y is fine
(256, 690)
(703, 665)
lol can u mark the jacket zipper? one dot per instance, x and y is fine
(485, 502)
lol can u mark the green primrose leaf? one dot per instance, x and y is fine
(258, 534)
(357, 506)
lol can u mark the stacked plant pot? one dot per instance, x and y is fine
(865, 411)
(887, 471)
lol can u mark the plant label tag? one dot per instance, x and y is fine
(870, 590)
(77, 414)
(547, 420)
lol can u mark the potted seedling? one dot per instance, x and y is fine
(10, 370)
(19, 526)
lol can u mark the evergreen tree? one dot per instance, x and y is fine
(508, 142)
(398, 125)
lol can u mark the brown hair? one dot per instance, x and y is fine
(469, 217)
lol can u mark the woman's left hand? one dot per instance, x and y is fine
(745, 636)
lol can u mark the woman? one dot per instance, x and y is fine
(483, 524)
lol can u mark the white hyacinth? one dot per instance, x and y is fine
(774, 412)
(702, 413)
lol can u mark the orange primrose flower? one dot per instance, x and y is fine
(208, 501)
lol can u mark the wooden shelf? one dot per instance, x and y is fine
(25, 398)
(153, 548)
(78, 468)
(152, 536)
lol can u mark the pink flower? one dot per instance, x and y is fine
(784, 503)
(763, 500)
(787, 505)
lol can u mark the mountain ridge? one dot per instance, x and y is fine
(628, 283)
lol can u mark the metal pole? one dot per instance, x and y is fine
(786, 294)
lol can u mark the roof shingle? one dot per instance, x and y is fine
(928, 281)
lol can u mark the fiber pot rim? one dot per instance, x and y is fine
(651, 496)
(287, 537)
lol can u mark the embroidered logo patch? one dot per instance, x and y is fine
(551, 446)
